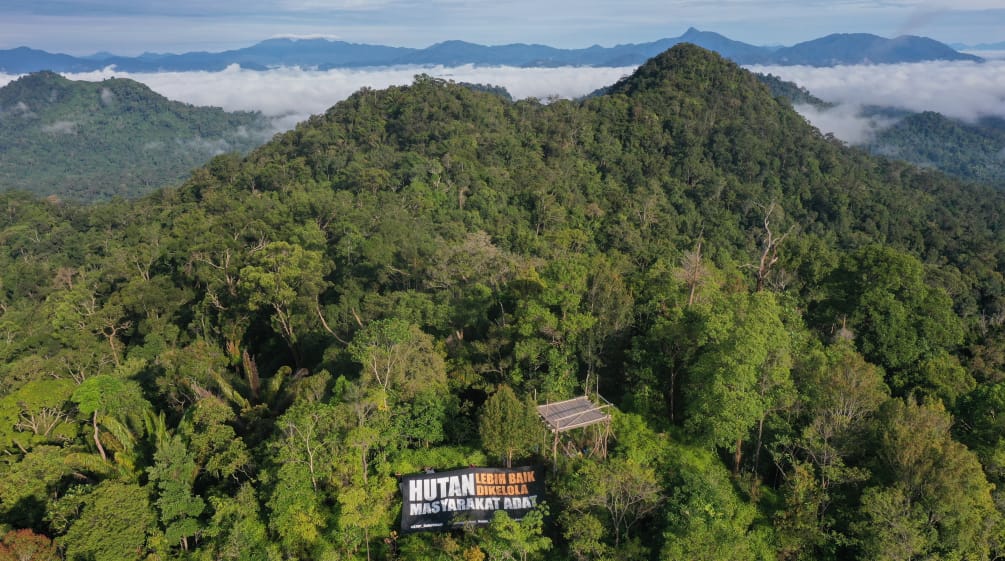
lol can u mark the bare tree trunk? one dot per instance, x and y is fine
(769, 256)
(97, 439)
(757, 450)
(737, 456)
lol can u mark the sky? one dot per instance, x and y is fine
(129, 27)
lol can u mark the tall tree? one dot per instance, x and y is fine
(896, 317)
(398, 359)
(173, 473)
(509, 428)
(742, 371)
(286, 279)
(113, 526)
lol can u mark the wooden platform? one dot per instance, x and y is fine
(572, 414)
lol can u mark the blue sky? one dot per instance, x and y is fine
(132, 26)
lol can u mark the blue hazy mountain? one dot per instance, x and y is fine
(864, 48)
(325, 54)
(24, 60)
(979, 47)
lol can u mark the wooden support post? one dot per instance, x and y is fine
(554, 452)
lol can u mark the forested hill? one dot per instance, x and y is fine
(87, 141)
(970, 151)
(803, 343)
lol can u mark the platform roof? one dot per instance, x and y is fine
(572, 414)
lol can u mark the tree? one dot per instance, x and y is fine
(287, 279)
(508, 427)
(113, 525)
(896, 317)
(35, 413)
(741, 372)
(518, 540)
(236, 531)
(940, 375)
(118, 405)
(841, 391)
(26, 484)
(297, 513)
(25, 545)
(769, 247)
(622, 491)
(936, 475)
(398, 359)
(801, 527)
(584, 534)
(894, 528)
(218, 450)
(706, 518)
(173, 473)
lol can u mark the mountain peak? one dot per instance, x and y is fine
(35, 88)
(678, 63)
(866, 48)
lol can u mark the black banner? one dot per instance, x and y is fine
(453, 499)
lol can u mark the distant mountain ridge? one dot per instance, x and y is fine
(858, 48)
(1000, 45)
(325, 54)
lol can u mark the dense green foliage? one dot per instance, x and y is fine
(90, 141)
(791, 91)
(968, 151)
(804, 343)
(971, 151)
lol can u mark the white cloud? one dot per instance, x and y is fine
(322, 6)
(290, 95)
(306, 36)
(19, 109)
(989, 54)
(107, 97)
(213, 147)
(60, 127)
(962, 90)
(845, 122)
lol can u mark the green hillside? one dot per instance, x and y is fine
(970, 151)
(965, 150)
(89, 141)
(803, 344)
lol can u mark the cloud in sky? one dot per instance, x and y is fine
(290, 95)
(130, 27)
(963, 90)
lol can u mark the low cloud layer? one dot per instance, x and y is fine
(290, 95)
(845, 122)
(60, 127)
(962, 90)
